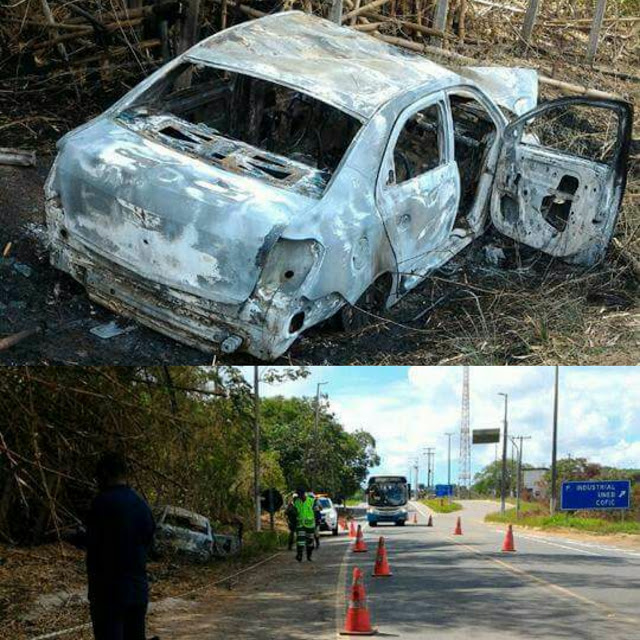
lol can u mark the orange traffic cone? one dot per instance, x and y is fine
(343, 524)
(352, 529)
(359, 545)
(415, 518)
(430, 521)
(458, 529)
(508, 545)
(381, 568)
(358, 622)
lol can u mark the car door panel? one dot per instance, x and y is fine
(419, 213)
(561, 203)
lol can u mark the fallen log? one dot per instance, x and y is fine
(85, 33)
(566, 87)
(363, 9)
(17, 157)
(428, 31)
(12, 340)
(160, 8)
(372, 26)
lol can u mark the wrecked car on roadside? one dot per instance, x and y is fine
(288, 170)
(181, 531)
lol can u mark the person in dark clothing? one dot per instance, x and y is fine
(291, 514)
(120, 530)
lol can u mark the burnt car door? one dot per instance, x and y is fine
(419, 185)
(560, 177)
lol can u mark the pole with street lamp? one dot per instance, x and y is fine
(316, 423)
(256, 446)
(554, 447)
(503, 481)
(449, 435)
(519, 449)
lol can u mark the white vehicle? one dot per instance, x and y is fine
(328, 515)
(288, 170)
(387, 497)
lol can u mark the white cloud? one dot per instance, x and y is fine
(599, 411)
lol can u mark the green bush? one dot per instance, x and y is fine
(566, 521)
(441, 506)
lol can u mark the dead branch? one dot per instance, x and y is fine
(18, 157)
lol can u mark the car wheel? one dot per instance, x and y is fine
(373, 524)
(365, 311)
(400, 523)
(335, 531)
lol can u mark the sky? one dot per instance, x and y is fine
(409, 408)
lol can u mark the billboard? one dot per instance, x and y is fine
(485, 436)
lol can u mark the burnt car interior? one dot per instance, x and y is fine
(474, 133)
(419, 145)
(246, 125)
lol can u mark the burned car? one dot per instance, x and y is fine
(288, 170)
(182, 531)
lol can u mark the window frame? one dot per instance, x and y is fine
(437, 99)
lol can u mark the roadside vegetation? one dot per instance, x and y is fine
(187, 434)
(535, 513)
(537, 518)
(441, 505)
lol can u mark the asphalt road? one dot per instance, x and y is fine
(457, 587)
(443, 586)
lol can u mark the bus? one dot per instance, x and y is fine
(387, 498)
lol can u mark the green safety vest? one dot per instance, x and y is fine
(306, 516)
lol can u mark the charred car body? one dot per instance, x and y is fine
(185, 532)
(182, 531)
(288, 169)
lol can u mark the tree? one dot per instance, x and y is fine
(487, 481)
(330, 459)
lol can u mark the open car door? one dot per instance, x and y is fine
(561, 176)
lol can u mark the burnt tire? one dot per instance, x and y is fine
(367, 310)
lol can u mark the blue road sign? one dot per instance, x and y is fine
(596, 494)
(444, 490)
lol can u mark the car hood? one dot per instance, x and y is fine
(514, 88)
(168, 217)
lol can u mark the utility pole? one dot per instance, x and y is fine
(429, 451)
(316, 423)
(449, 464)
(519, 472)
(464, 463)
(256, 445)
(554, 447)
(503, 481)
(414, 464)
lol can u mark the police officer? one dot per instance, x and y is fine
(291, 514)
(305, 523)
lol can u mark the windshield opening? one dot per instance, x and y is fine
(246, 125)
(390, 494)
(184, 522)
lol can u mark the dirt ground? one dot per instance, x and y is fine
(43, 589)
(526, 309)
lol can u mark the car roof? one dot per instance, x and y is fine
(338, 65)
(184, 513)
